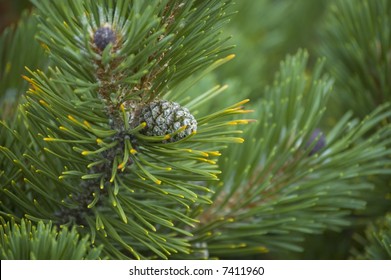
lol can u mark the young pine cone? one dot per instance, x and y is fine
(103, 36)
(165, 117)
(318, 136)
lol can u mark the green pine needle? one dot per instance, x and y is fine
(26, 241)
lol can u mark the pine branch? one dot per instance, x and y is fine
(103, 150)
(179, 40)
(289, 181)
(357, 41)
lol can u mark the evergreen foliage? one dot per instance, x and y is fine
(356, 40)
(267, 208)
(377, 241)
(120, 143)
(86, 162)
(43, 242)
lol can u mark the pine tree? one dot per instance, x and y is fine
(118, 141)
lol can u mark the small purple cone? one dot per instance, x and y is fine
(320, 142)
(103, 36)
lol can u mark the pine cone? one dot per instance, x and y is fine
(165, 117)
(318, 136)
(103, 36)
